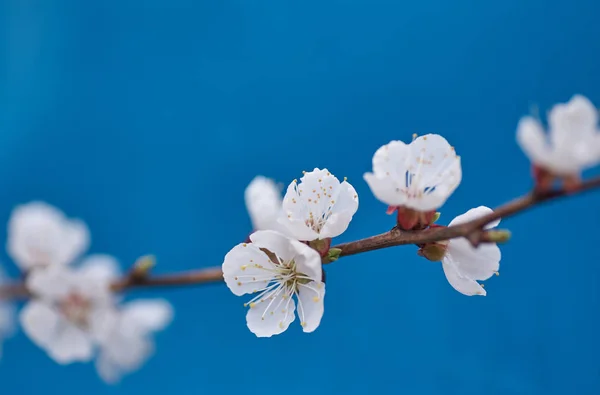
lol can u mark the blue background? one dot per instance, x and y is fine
(148, 119)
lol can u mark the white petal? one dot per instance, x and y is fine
(296, 212)
(476, 263)
(271, 316)
(342, 211)
(464, 285)
(573, 121)
(310, 305)
(385, 189)
(434, 172)
(247, 269)
(52, 282)
(533, 141)
(123, 353)
(263, 202)
(40, 234)
(70, 344)
(308, 261)
(39, 322)
(147, 315)
(473, 214)
(275, 242)
(100, 268)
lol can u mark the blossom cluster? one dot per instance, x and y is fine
(281, 264)
(72, 314)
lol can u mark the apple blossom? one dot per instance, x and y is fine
(71, 308)
(40, 235)
(573, 140)
(275, 268)
(419, 176)
(319, 207)
(129, 343)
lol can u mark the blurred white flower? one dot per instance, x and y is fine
(463, 264)
(263, 202)
(573, 140)
(72, 308)
(40, 235)
(276, 268)
(7, 316)
(129, 343)
(319, 207)
(420, 175)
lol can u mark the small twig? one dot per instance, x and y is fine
(472, 230)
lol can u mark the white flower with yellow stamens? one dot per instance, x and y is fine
(276, 269)
(319, 207)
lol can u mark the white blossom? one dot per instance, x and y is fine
(420, 175)
(290, 268)
(40, 235)
(71, 308)
(129, 343)
(263, 202)
(573, 140)
(464, 264)
(319, 207)
(7, 316)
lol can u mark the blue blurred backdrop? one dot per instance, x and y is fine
(148, 119)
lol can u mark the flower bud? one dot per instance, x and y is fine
(321, 246)
(434, 252)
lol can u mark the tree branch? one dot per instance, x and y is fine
(472, 230)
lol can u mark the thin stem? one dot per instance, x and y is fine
(472, 230)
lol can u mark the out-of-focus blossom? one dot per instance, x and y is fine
(7, 316)
(572, 143)
(71, 308)
(129, 343)
(263, 202)
(41, 235)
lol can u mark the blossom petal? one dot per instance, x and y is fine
(533, 141)
(296, 212)
(385, 189)
(572, 121)
(478, 263)
(40, 234)
(51, 282)
(464, 285)
(271, 316)
(263, 202)
(343, 208)
(389, 170)
(473, 214)
(308, 261)
(434, 172)
(275, 242)
(247, 269)
(147, 315)
(310, 305)
(123, 353)
(39, 322)
(100, 268)
(70, 344)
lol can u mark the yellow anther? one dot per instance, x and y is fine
(239, 284)
(252, 305)
(316, 299)
(497, 273)
(244, 244)
(281, 324)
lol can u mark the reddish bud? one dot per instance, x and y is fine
(434, 252)
(409, 219)
(321, 246)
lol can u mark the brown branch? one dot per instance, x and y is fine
(472, 230)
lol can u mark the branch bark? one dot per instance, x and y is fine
(473, 231)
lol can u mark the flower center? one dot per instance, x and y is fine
(76, 308)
